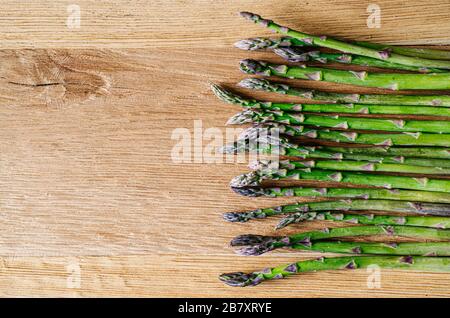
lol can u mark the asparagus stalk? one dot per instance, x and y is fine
(269, 165)
(387, 139)
(351, 193)
(420, 263)
(253, 245)
(255, 178)
(400, 125)
(296, 54)
(426, 152)
(342, 205)
(324, 41)
(420, 249)
(393, 81)
(422, 100)
(231, 98)
(421, 221)
(279, 146)
(431, 54)
(286, 41)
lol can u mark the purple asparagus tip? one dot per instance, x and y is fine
(239, 279)
(249, 192)
(250, 66)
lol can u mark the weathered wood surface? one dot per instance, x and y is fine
(91, 202)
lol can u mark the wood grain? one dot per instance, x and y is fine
(86, 175)
(204, 23)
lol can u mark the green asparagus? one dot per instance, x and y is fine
(296, 54)
(367, 99)
(324, 41)
(386, 139)
(253, 245)
(279, 146)
(351, 193)
(286, 41)
(346, 165)
(392, 81)
(436, 209)
(425, 152)
(231, 98)
(255, 178)
(420, 263)
(421, 221)
(400, 125)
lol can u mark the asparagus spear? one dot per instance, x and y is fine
(279, 146)
(323, 41)
(432, 54)
(388, 139)
(393, 81)
(231, 98)
(342, 205)
(296, 54)
(352, 193)
(422, 100)
(431, 152)
(421, 221)
(286, 41)
(400, 125)
(255, 178)
(259, 43)
(425, 249)
(345, 165)
(239, 279)
(257, 244)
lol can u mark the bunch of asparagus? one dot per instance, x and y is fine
(376, 151)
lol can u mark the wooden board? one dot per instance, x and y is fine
(91, 202)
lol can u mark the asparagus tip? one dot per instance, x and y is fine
(234, 217)
(253, 44)
(263, 85)
(254, 245)
(225, 95)
(239, 279)
(250, 16)
(292, 54)
(246, 180)
(241, 118)
(295, 218)
(250, 66)
(248, 192)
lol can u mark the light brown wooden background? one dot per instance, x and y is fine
(88, 191)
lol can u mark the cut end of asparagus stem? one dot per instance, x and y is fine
(239, 279)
